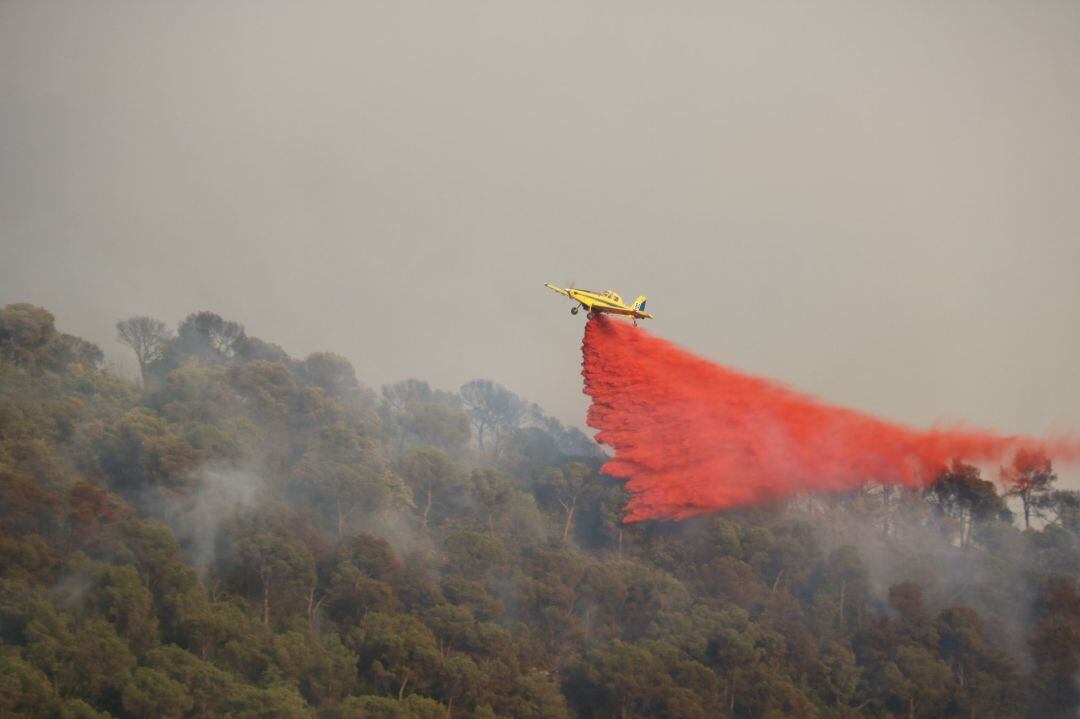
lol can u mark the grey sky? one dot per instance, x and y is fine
(876, 202)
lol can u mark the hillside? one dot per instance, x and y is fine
(247, 534)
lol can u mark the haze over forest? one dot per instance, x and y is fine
(247, 534)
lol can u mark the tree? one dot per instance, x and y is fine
(282, 568)
(86, 659)
(28, 338)
(142, 451)
(906, 599)
(959, 492)
(280, 700)
(25, 334)
(252, 349)
(151, 694)
(90, 508)
(147, 337)
(209, 337)
(538, 697)
(374, 707)
(843, 583)
(344, 476)
(24, 689)
(565, 486)
(985, 677)
(916, 682)
(127, 603)
(397, 396)
(333, 374)
(492, 490)
(644, 679)
(475, 555)
(1055, 648)
(1062, 506)
(213, 691)
(436, 425)
(78, 709)
(398, 651)
(322, 667)
(1030, 477)
(460, 680)
(492, 408)
(415, 413)
(364, 579)
(429, 472)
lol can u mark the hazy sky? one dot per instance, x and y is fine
(876, 202)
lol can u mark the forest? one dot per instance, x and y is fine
(240, 533)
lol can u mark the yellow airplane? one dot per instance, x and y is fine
(596, 303)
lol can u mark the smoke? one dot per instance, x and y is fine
(693, 437)
(196, 519)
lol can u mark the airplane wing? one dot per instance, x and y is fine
(553, 288)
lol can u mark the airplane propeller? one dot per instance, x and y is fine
(568, 286)
(573, 310)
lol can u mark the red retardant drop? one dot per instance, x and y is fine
(692, 437)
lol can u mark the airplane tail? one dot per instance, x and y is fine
(639, 304)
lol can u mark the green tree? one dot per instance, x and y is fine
(24, 690)
(213, 691)
(475, 555)
(151, 694)
(415, 413)
(28, 338)
(645, 679)
(86, 660)
(128, 604)
(209, 337)
(1055, 648)
(374, 707)
(536, 696)
(493, 410)
(143, 452)
(78, 709)
(398, 652)
(436, 425)
(280, 700)
(916, 682)
(323, 669)
(429, 473)
(344, 477)
(282, 569)
(492, 491)
(1062, 507)
(960, 493)
(564, 486)
(333, 374)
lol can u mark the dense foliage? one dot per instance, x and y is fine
(244, 534)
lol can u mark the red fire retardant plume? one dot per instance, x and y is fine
(693, 437)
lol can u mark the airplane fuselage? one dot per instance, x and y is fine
(607, 302)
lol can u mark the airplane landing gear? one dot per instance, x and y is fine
(590, 315)
(574, 310)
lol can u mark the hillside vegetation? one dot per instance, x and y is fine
(245, 534)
